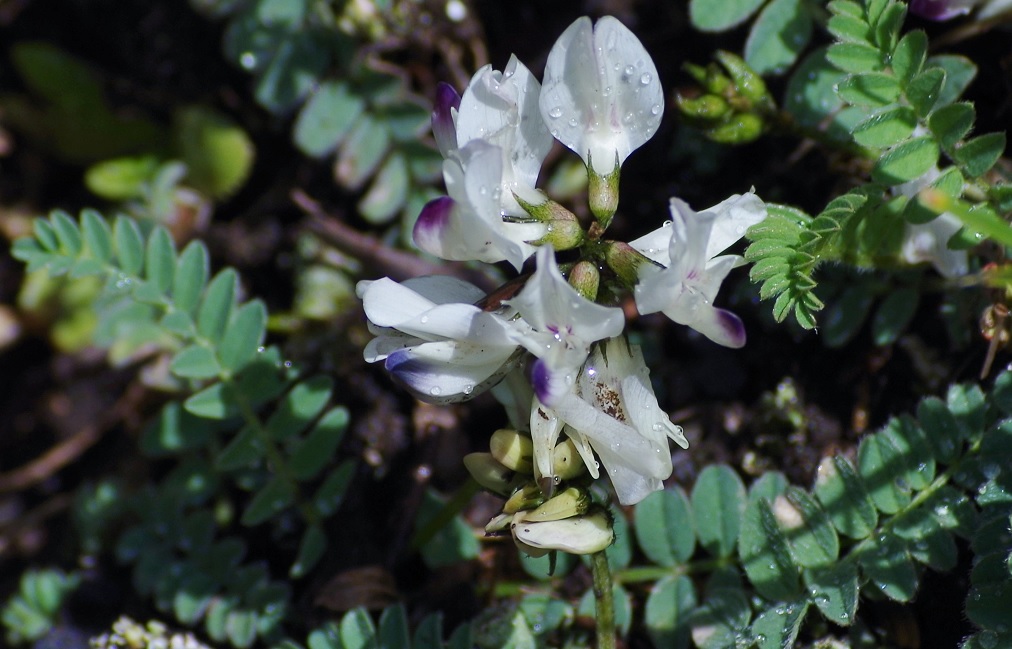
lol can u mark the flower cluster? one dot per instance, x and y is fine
(551, 342)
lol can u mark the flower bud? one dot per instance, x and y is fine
(625, 261)
(739, 129)
(703, 109)
(603, 193)
(585, 278)
(513, 450)
(489, 473)
(527, 497)
(577, 535)
(747, 83)
(499, 523)
(571, 502)
(564, 231)
(566, 461)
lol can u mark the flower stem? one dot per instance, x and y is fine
(605, 601)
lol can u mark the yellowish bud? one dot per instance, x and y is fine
(569, 503)
(576, 535)
(489, 473)
(527, 497)
(513, 449)
(566, 461)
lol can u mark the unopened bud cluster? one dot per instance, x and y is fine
(541, 516)
(735, 104)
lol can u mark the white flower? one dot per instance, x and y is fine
(468, 225)
(494, 141)
(612, 412)
(689, 246)
(558, 327)
(501, 108)
(433, 339)
(601, 95)
(928, 242)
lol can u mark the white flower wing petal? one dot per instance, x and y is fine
(733, 217)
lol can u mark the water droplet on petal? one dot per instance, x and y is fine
(655, 109)
(555, 112)
(645, 79)
(468, 389)
(436, 391)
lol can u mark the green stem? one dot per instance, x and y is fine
(605, 601)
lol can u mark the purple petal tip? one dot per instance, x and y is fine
(940, 10)
(731, 328)
(443, 128)
(541, 381)
(432, 222)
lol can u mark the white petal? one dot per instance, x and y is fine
(502, 108)
(734, 216)
(447, 371)
(445, 289)
(545, 427)
(601, 95)
(638, 395)
(576, 535)
(549, 303)
(929, 242)
(388, 303)
(615, 442)
(463, 322)
(654, 245)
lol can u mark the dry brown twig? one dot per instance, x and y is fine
(379, 258)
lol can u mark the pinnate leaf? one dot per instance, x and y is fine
(907, 161)
(664, 527)
(317, 449)
(271, 500)
(869, 89)
(909, 55)
(924, 90)
(216, 307)
(977, 156)
(886, 128)
(192, 269)
(718, 500)
(951, 123)
(300, 406)
(720, 15)
(97, 236)
(834, 590)
(765, 553)
(667, 609)
(326, 118)
(778, 35)
(243, 336)
(855, 57)
(195, 362)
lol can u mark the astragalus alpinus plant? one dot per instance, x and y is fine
(551, 343)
